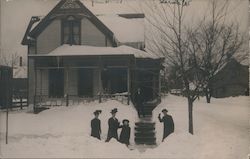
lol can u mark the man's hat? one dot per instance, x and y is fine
(164, 110)
(125, 120)
(97, 112)
(114, 111)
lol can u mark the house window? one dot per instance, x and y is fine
(71, 31)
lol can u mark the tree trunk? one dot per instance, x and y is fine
(208, 94)
(208, 97)
(190, 116)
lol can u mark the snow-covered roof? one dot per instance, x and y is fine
(125, 30)
(84, 50)
(20, 72)
(133, 32)
(114, 7)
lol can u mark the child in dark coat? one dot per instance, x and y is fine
(125, 133)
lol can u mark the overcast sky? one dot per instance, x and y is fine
(15, 16)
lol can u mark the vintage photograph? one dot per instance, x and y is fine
(124, 79)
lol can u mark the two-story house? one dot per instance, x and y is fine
(75, 54)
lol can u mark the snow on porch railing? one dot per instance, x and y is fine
(124, 97)
(68, 100)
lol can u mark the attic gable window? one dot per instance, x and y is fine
(71, 31)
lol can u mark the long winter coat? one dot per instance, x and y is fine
(168, 125)
(138, 99)
(113, 126)
(96, 128)
(125, 134)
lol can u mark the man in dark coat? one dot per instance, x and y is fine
(113, 126)
(96, 125)
(168, 123)
(139, 102)
(125, 133)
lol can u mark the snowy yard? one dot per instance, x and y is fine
(221, 131)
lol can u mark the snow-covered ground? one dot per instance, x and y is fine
(221, 131)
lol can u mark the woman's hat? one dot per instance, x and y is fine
(98, 112)
(125, 120)
(164, 110)
(114, 111)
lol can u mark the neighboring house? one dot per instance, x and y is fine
(20, 84)
(231, 80)
(75, 54)
(5, 86)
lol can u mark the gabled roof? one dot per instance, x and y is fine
(84, 50)
(232, 61)
(64, 8)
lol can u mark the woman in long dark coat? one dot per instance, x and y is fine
(139, 102)
(96, 125)
(113, 126)
(168, 123)
(125, 133)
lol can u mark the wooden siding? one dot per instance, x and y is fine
(42, 82)
(50, 38)
(72, 82)
(91, 35)
(31, 81)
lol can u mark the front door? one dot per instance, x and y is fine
(85, 83)
(56, 83)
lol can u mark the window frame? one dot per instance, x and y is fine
(71, 21)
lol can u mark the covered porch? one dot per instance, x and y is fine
(68, 79)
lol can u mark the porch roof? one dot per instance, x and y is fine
(84, 50)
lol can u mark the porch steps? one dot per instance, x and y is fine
(145, 132)
(150, 106)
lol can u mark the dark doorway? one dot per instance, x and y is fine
(114, 80)
(85, 83)
(145, 82)
(56, 83)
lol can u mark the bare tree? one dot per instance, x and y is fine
(218, 41)
(9, 60)
(174, 40)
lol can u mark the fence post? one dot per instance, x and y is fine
(67, 100)
(100, 98)
(21, 100)
(34, 104)
(128, 98)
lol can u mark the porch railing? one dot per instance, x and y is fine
(68, 100)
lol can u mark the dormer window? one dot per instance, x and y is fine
(71, 31)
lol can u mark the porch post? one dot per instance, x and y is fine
(100, 80)
(128, 84)
(41, 82)
(34, 106)
(67, 86)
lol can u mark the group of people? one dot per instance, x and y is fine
(114, 125)
(124, 137)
